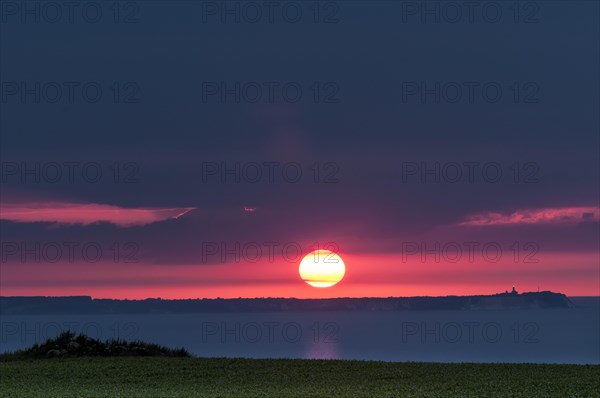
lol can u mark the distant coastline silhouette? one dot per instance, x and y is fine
(88, 305)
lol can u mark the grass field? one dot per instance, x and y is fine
(220, 377)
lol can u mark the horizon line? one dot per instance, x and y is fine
(288, 298)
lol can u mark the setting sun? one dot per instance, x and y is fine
(322, 268)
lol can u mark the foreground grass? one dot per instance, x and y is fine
(220, 377)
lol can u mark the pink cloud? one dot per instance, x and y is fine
(565, 215)
(86, 213)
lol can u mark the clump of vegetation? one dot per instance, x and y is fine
(68, 344)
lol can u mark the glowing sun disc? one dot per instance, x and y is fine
(322, 268)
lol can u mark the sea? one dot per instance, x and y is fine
(566, 336)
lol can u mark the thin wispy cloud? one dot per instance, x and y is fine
(565, 215)
(64, 213)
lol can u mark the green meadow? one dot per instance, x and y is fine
(221, 377)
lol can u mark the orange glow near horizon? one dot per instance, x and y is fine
(373, 275)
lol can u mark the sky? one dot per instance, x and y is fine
(200, 149)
